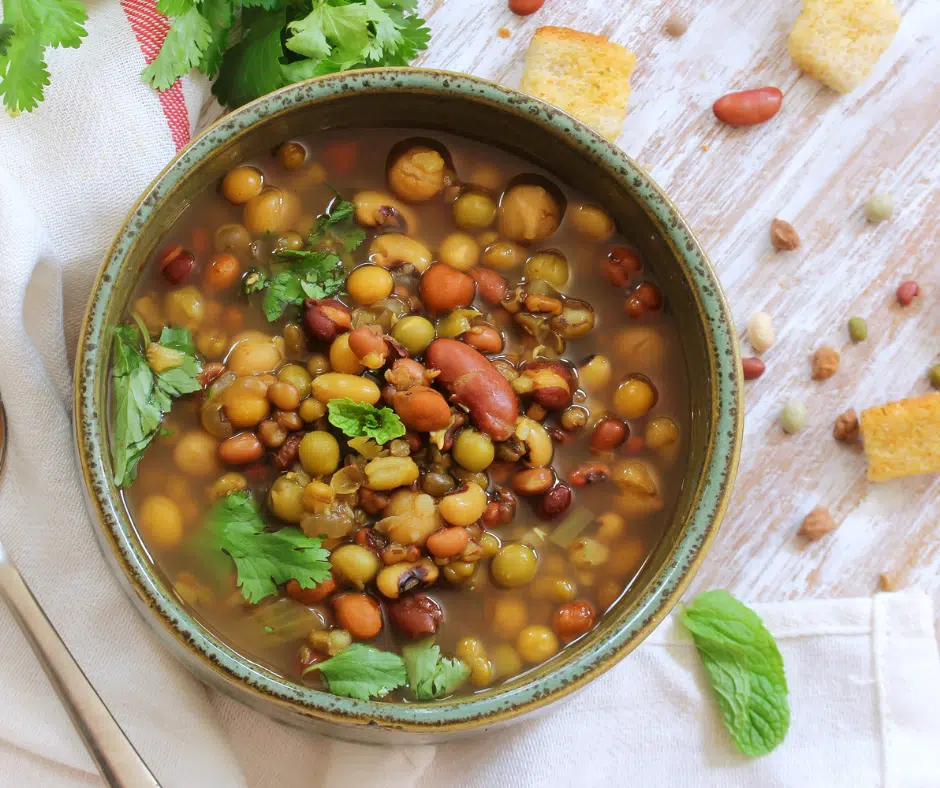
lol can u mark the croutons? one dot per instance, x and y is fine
(583, 74)
(902, 438)
(838, 42)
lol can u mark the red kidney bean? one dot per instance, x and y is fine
(907, 292)
(748, 107)
(525, 7)
(416, 615)
(326, 319)
(608, 434)
(753, 367)
(635, 444)
(620, 264)
(177, 264)
(555, 502)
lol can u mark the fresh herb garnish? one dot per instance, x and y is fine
(262, 558)
(338, 227)
(145, 382)
(310, 275)
(28, 28)
(745, 669)
(430, 676)
(359, 419)
(362, 672)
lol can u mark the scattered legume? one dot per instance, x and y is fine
(879, 207)
(858, 329)
(760, 331)
(934, 376)
(907, 292)
(793, 416)
(676, 25)
(752, 367)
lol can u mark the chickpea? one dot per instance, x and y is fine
(151, 312)
(474, 210)
(528, 213)
(212, 343)
(610, 527)
(228, 483)
(286, 496)
(573, 619)
(490, 544)
(626, 559)
(593, 223)
(460, 251)
(481, 672)
(469, 648)
(245, 402)
(318, 364)
(514, 565)
(503, 255)
(240, 184)
(355, 564)
(342, 358)
(195, 453)
(254, 356)
(551, 267)
(643, 347)
(232, 237)
(506, 661)
(296, 376)
(162, 521)
(417, 174)
(272, 211)
(221, 272)
(595, 373)
(465, 506)
(536, 644)
(358, 614)
(634, 397)
(555, 589)
(291, 155)
(185, 307)
(415, 333)
(473, 450)
(369, 283)
(319, 453)
(510, 615)
(486, 176)
(311, 409)
(661, 433)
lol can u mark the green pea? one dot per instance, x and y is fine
(414, 332)
(934, 376)
(793, 416)
(858, 329)
(879, 207)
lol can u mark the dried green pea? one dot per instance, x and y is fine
(934, 376)
(879, 207)
(793, 416)
(858, 329)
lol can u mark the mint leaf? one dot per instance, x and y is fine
(745, 669)
(263, 559)
(430, 676)
(188, 38)
(359, 419)
(362, 672)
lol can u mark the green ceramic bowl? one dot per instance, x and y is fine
(432, 100)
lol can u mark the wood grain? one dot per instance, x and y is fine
(814, 165)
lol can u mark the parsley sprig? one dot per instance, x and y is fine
(308, 275)
(263, 559)
(146, 378)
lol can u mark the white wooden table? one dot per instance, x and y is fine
(815, 164)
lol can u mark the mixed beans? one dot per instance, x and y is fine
(519, 339)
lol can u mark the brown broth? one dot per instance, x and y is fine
(465, 611)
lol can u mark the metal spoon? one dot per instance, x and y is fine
(109, 747)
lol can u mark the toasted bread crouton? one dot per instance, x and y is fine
(585, 75)
(902, 438)
(838, 42)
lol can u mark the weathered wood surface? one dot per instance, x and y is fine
(814, 165)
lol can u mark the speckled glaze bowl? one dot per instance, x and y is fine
(432, 100)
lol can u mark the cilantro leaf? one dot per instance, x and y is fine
(6, 35)
(254, 282)
(220, 15)
(263, 559)
(189, 36)
(252, 67)
(430, 676)
(181, 378)
(338, 226)
(362, 672)
(359, 419)
(311, 275)
(326, 27)
(745, 669)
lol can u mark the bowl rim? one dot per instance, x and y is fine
(217, 660)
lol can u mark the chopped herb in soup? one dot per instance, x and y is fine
(398, 416)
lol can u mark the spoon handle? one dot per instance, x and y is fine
(109, 747)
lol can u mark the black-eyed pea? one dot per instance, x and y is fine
(398, 579)
(463, 507)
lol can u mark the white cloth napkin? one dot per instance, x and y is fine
(864, 674)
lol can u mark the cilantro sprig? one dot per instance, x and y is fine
(30, 27)
(362, 672)
(263, 559)
(360, 419)
(337, 227)
(745, 669)
(309, 275)
(429, 675)
(146, 378)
